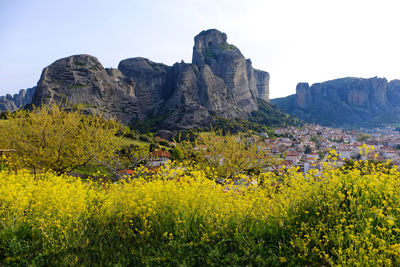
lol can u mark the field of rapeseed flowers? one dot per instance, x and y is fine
(178, 216)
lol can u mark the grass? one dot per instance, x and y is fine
(92, 170)
(78, 86)
(226, 46)
(125, 142)
(82, 106)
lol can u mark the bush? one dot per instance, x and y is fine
(131, 134)
(177, 153)
(163, 143)
(145, 138)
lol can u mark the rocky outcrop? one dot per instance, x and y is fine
(262, 83)
(17, 101)
(227, 62)
(6, 104)
(220, 81)
(82, 80)
(303, 95)
(345, 102)
(152, 83)
(393, 93)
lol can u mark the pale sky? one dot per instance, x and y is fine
(295, 41)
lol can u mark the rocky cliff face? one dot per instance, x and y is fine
(82, 80)
(151, 83)
(345, 102)
(220, 81)
(393, 94)
(227, 62)
(17, 101)
(262, 79)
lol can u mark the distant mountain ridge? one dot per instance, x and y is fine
(346, 102)
(220, 82)
(16, 101)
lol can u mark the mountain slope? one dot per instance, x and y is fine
(345, 102)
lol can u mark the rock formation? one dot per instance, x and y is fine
(82, 80)
(13, 103)
(345, 102)
(219, 82)
(262, 79)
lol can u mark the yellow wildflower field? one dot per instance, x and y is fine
(178, 216)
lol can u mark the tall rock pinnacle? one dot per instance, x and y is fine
(204, 42)
(227, 62)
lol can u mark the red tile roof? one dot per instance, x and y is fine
(161, 154)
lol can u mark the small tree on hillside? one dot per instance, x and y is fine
(231, 155)
(50, 138)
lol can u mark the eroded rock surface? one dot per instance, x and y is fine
(220, 81)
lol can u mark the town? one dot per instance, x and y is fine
(305, 147)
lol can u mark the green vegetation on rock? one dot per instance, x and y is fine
(269, 115)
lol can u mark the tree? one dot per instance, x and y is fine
(232, 154)
(51, 138)
(307, 150)
(362, 137)
(177, 153)
(128, 158)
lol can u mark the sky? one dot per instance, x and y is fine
(295, 41)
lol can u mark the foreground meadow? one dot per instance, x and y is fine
(178, 216)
